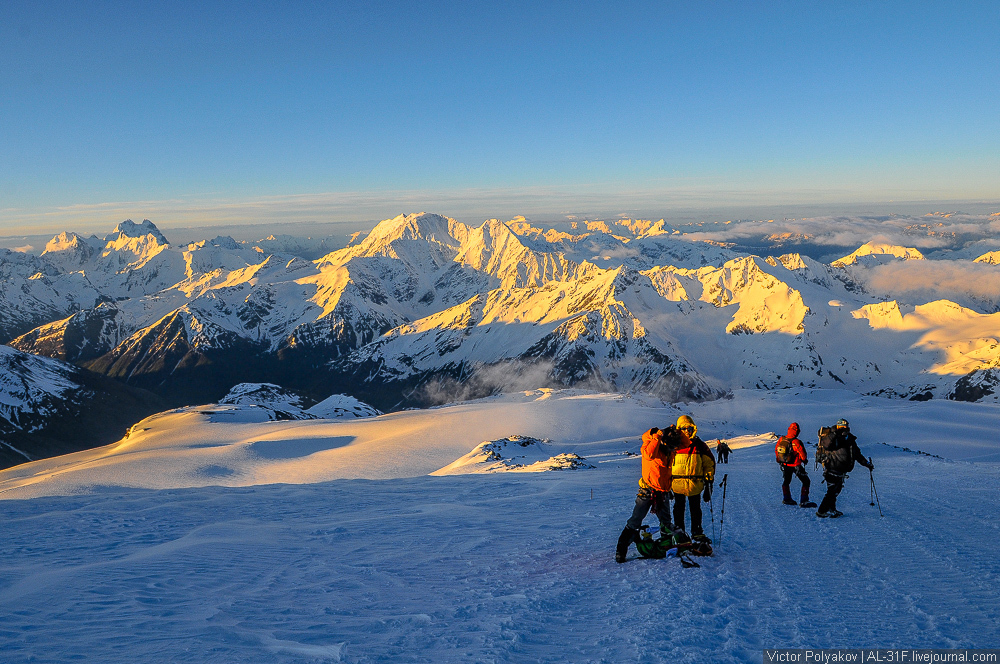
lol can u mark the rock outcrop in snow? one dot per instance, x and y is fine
(513, 454)
(280, 403)
(342, 406)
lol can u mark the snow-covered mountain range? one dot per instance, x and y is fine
(424, 308)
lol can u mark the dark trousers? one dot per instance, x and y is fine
(650, 500)
(695, 504)
(834, 485)
(786, 476)
(723, 457)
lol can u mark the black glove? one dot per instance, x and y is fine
(707, 494)
(871, 466)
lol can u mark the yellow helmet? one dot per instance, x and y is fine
(686, 424)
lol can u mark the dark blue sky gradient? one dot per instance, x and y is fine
(154, 101)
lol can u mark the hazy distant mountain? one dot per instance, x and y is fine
(990, 257)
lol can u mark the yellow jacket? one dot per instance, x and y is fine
(691, 467)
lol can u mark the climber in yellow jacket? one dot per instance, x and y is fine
(692, 471)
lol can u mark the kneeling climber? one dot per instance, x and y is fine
(658, 446)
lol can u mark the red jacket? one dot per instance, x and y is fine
(800, 452)
(655, 461)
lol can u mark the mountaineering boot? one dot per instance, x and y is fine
(681, 537)
(835, 513)
(804, 498)
(624, 540)
(787, 495)
(807, 503)
(701, 537)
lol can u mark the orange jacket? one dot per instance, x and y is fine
(655, 462)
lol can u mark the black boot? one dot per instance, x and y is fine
(826, 506)
(624, 540)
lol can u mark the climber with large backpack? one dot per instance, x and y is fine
(692, 471)
(839, 453)
(658, 447)
(791, 457)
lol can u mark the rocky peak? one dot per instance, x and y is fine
(130, 229)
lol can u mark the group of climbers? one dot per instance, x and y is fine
(677, 465)
(837, 450)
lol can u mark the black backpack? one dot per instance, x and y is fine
(827, 443)
(834, 451)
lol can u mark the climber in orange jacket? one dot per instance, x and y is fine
(654, 485)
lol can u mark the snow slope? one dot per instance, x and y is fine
(334, 544)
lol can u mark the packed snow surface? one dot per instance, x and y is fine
(200, 539)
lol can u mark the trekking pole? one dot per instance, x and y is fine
(722, 513)
(871, 475)
(711, 510)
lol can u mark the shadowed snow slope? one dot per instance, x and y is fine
(506, 567)
(174, 449)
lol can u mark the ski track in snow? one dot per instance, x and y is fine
(499, 569)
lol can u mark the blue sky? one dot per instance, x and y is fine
(277, 111)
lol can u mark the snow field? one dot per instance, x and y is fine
(511, 567)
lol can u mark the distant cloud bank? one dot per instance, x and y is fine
(941, 231)
(816, 219)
